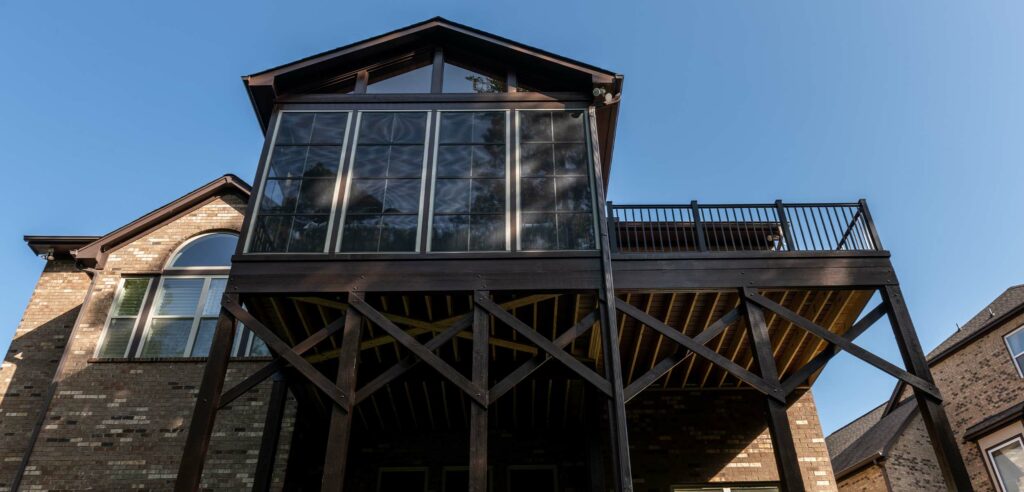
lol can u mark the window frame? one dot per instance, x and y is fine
(265, 172)
(590, 179)
(115, 305)
(346, 171)
(508, 179)
(197, 316)
(1017, 439)
(1009, 349)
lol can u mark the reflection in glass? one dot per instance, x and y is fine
(555, 186)
(386, 187)
(1008, 462)
(460, 80)
(298, 193)
(211, 250)
(411, 82)
(469, 189)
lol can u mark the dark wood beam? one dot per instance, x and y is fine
(943, 440)
(786, 459)
(190, 470)
(843, 343)
(340, 431)
(271, 434)
(478, 411)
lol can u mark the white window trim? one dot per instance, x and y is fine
(266, 172)
(590, 177)
(197, 316)
(992, 462)
(112, 314)
(1013, 357)
(348, 181)
(508, 178)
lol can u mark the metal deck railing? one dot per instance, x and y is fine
(780, 227)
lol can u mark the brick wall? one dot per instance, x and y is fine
(32, 359)
(868, 479)
(694, 437)
(122, 425)
(911, 463)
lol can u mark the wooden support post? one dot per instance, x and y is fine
(190, 471)
(336, 457)
(271, 434)
(778, 421)
(478, 411)
(941, 435)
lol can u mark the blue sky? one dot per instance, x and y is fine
(113, 109)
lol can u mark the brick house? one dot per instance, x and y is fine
(979, 370)
(427, 290)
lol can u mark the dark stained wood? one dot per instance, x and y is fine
(190, 470)
(944, 442)
(786, 459)
(844, 344)
(271, 434)
(478, 411)
(336, 457)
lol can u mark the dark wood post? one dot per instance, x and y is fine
(271, 434)
(478, 412)
(336, 457)
(787, 234)
(609, 336)
(190, 471)
(786, 459)
(941, 435)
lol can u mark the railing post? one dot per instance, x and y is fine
(875, 242)
(613, 229)
(698, 227)
(784, 223)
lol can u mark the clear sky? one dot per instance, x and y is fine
(111, 109)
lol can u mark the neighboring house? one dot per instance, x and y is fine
(428, 291)
(979, 371)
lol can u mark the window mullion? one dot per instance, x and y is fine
(197, 317)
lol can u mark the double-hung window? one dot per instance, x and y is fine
(1007, 460)
(1015, 344)
(184, 317)
(124, 318)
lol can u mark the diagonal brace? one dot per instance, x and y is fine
(528, 367)
(665, 365)
(714, 357)
(845, 344)
(284, 351)
(428, 356)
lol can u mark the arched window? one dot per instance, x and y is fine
(180, 319)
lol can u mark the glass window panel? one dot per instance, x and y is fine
(1009, 464)
(117, 337)
(295, 128)
(538, 194)
(329, 128)
(179, 296)
(211, 306)
(535, 126)
(460, 80)
(489, 127)
(287, 162)
(1020, 362)
(450, 233)
(487, 233)
(410, 127)
(1016, 342)
(456, 127)
(308, 234)
(570, 159)
(575, 231)
(211, 250)
(204, 337)
(280, 195)
(406, 161)
(366, 196)
(568, 126)
(451, 196)
(402, 196)
(375, 128)
(133, 291)
(167, 338)
(259, 348)
(322, 162)
(316, 196)
(536, 160)
(454, 161)
(361, 233)
(371, 161)
(573, 194)
(538, 231)
(271, 234)
(489, 161)
(398, 233)
(488, 196)
(411, 82)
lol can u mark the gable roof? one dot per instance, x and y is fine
(95, 252)
(1008, 305)
(868, 438)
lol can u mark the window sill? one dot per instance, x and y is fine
(122, 360)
